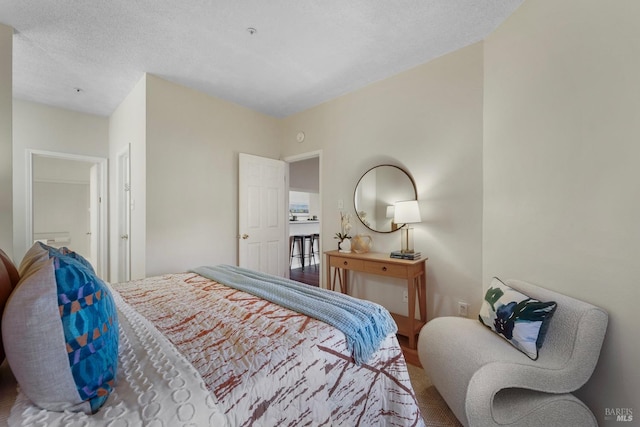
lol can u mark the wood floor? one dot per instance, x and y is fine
(309, 275)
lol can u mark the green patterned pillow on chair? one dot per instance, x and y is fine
(519, 319)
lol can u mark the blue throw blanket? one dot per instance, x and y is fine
(364, 323)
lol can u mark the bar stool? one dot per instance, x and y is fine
(307, 242)
(308, 254)
(296, 240)
(314, 243)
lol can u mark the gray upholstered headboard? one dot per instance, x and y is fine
(8, 280)
(12, 272)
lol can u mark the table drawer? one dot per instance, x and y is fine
(385, 269)
(348, 263)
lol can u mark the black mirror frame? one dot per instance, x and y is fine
(415, 195)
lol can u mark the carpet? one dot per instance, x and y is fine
(434, 410)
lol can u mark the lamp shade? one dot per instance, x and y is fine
(407, 212)
(391, 211)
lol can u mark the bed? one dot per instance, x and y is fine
(193, 350)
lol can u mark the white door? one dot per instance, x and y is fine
(124, 216)
(261, 215)
(94, 212)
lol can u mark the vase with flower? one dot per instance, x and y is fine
(344, 244)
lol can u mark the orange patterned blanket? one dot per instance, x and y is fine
(271, 366)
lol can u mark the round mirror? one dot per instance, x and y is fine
(377, 191)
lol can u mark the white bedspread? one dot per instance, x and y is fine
(156, 386)
(194, 352)
(270, 366)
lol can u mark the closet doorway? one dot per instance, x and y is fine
(304, 218)
(66, 204)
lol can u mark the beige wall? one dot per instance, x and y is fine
(39, 127)
(127, 125)
(304, 175)
(561, 181)
(6, 180)
(193, 141)
(427, 120)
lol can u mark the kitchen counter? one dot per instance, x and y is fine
(304, 227)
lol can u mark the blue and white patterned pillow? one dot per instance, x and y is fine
(519, 319)
(61, 333)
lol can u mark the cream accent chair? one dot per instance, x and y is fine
(488, 382)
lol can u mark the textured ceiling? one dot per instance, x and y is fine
(304, 52)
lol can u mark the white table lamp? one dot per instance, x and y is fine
(407, 212)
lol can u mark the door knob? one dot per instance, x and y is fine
(245, 236)
(124, 236)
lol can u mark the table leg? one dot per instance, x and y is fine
(345, 277)
(328, 276)
(336, 275)
(422, 297)
(412, 311)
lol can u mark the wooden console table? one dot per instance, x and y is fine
(381, 264)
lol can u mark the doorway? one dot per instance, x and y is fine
(66, 204)
(305, 219)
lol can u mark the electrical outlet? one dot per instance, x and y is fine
(405, 296)
(463, 309)
(340, 204)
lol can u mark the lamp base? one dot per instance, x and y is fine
(407, 241)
